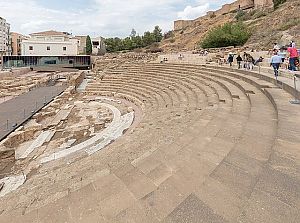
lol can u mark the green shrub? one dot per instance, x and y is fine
(230, 34)
(277, 3)
(240, 15)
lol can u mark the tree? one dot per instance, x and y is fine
(109, 43)
(138, 42)
(148, 38)
(230, 34)
(88, 45)
(127, 44)
(118, 44)
(133, 41)
(133, 33)
(157, 34)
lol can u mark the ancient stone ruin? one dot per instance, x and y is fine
(244, 5)
(138, 139)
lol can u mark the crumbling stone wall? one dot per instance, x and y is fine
(263, 3)
(181, 24)
(225, 9)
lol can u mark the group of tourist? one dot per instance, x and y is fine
(248, 60)
(287, 57)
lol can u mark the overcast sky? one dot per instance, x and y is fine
(107, 18)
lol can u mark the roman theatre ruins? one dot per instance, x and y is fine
(144, 141)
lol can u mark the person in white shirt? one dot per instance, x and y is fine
(275, 62)
(282, 53)
(293, 44)
(276, 47)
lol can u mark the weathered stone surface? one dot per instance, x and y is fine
(192, 209)
(194, 153)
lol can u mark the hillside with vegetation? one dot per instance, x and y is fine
(282, 24)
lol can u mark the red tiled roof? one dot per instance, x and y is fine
(48, 33)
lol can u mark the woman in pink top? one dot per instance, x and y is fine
(293, 57)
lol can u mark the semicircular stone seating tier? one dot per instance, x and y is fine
(213, 145)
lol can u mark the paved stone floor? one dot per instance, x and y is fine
(212, 146)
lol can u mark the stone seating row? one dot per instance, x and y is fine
(236, 158)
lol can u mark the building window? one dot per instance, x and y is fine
(50, 62)
(48, 47)
(30, 47)
(64, 48)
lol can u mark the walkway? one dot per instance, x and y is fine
(17, 110)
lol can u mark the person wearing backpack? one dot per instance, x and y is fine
(239, 60)
(230, 59)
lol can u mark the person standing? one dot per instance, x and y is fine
(275, 62)
(293, 54)
(276, 47)
(245, 59)
(282, 53)
(239, 60)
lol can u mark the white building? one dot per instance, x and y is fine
(98, 46)
(50, 43)
(4, 37)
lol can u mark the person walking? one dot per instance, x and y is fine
(250, 62)
(275, 62)
(239, 60)
(230, 59)
(293, 55)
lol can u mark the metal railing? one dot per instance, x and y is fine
(295, 100)
(18, 118)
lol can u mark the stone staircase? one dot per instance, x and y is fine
(214, 145)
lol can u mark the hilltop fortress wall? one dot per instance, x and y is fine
(227, 8)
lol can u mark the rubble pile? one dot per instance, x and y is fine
(115, 60)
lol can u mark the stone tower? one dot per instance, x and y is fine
(263, 3)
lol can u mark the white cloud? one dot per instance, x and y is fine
(100, 17)
(193, 12)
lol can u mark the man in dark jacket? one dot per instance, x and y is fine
(239, 60)
(230, 59)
